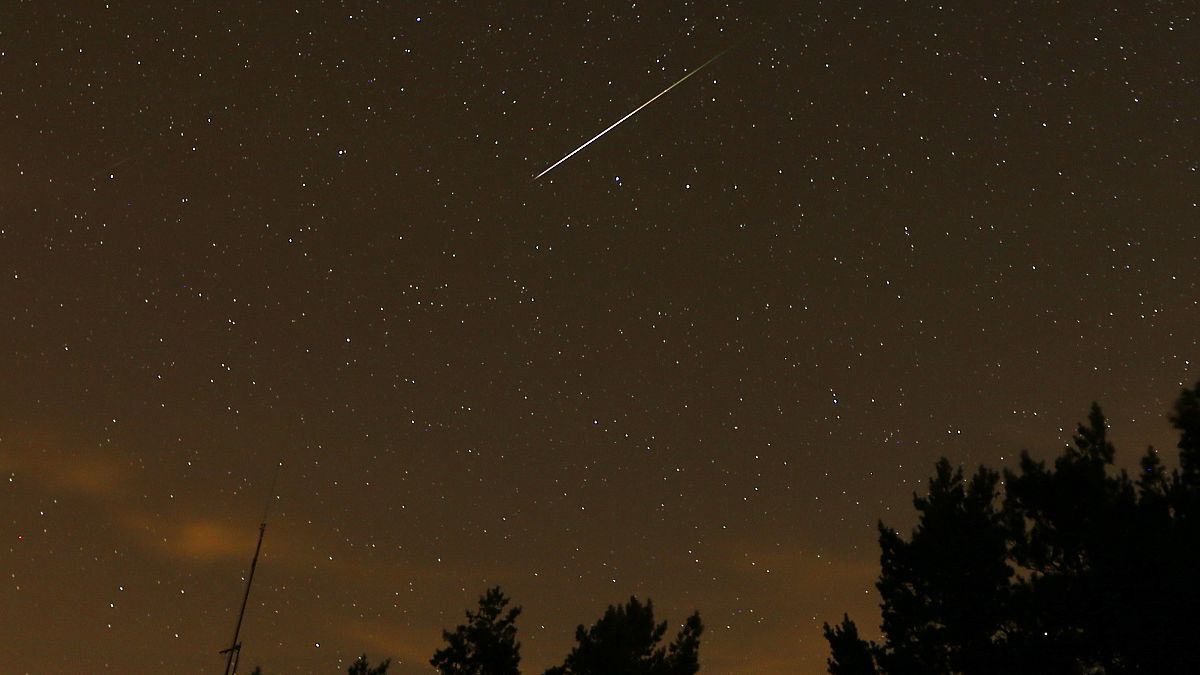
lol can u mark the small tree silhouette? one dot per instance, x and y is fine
(486, 644)
(626, 640)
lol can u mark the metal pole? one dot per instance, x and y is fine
(236, 647)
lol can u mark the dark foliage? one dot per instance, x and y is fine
(848, 653)
(1072, 568)
(626, 640)
(486, 644)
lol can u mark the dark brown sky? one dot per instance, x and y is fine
(696, 362)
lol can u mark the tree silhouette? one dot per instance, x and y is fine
(1070, 529)
(626, 640)
(848, 653)
(1186, 418)
(683, 655)
(362, 666)
(486, 644)
(1072, 568)
(942, 590)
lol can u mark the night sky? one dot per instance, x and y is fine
(696, 362)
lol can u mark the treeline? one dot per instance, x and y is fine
(1063, 569)
(626, 640)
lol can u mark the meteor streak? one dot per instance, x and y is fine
(678, 82)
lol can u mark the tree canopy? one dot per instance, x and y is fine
(486, 644)
(626, 640)
(1070, 568)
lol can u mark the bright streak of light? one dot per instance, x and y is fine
(593, 139)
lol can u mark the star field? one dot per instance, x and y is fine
(696, 362)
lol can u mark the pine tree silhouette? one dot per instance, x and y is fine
(486, 644)
(626, 640)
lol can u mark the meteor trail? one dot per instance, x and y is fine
(635, 111)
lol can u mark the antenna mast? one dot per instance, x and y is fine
(234, 650)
